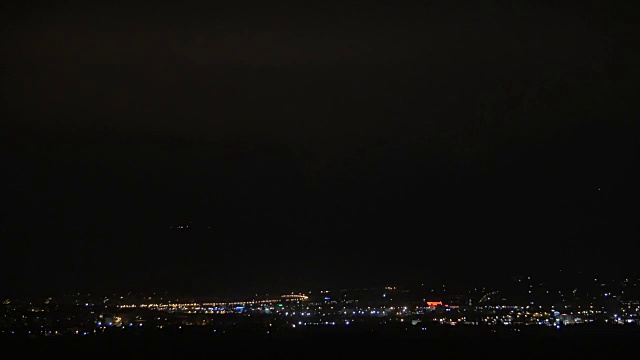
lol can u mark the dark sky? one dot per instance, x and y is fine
(314, 145)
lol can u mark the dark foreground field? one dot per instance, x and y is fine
(331, 346)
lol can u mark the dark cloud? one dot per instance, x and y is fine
(317, 131)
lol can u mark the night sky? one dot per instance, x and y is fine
(314, 146)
